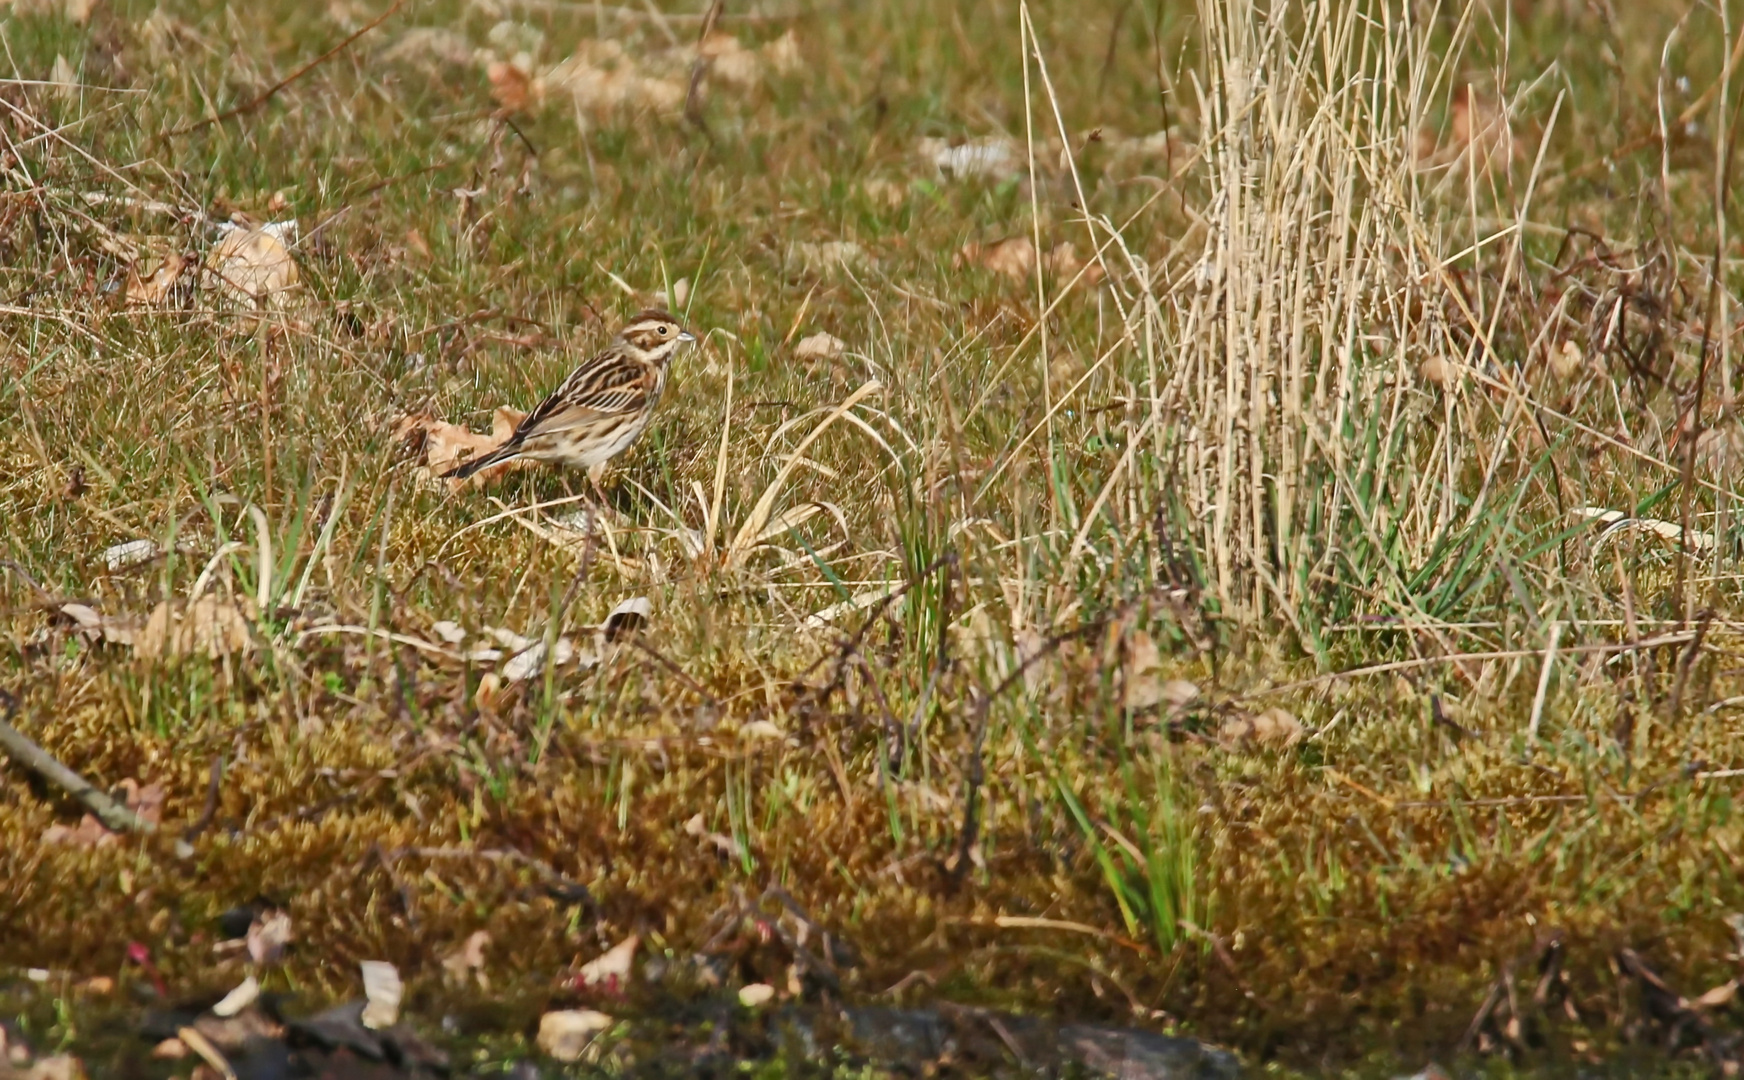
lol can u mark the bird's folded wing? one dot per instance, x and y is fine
(566, 417)
(589, 393)
(602, 380)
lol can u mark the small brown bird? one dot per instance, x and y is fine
(602, 407)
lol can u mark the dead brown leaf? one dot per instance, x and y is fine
(153, 288)
(724, 845)
(783, 54)
(89, 832)
(1566, 361)
(819, 346)
(1274, 727)
(626, 617)
(611, 969)
(1718, 996)
(602, 77)
(1478, 134)
(1063, 263)
(1436, 370)
(442, 445)
(566, 1033)
(268, 935)
(95, 626)
(145, 800)
(1179, 693)
(489, 693)
(729, 61)
(511, 87)
(466, 963)
(254, 266)
(210, 626)
(416, 244)
(1014, 257)
(1141, 687)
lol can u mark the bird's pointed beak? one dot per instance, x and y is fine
(686, 335)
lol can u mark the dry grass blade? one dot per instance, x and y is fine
(758, 520)
(1544, 672)
(197, 1041)
(1163, 618)
(712, 520)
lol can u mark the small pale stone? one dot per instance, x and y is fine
(564, 1034)
(819, 346)
(756, 994)
(238, 999)
(382, 988)
(172, 1049)
(131, 553)
(1179, 693)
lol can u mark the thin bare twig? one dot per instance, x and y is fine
(386, 862)
(672, 666)
(1483, 1014)
(1704, 619)
(699, 70)
(1454, 658)
(214, 784)
(22, 749)
(958, 864)
(558, 885)
(852, 645)
(273, 90)
(1687, 477)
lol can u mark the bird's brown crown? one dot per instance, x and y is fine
(655, 334)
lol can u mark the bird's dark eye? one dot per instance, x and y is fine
(664, 331)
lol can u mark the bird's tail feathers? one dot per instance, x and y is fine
(495, 457)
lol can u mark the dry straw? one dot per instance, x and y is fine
(1295, 339)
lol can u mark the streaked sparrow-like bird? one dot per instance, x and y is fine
(602, 407)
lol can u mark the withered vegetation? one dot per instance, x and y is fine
(1211, 520)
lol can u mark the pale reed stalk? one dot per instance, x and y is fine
(1290, 394)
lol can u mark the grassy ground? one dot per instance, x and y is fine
(1284, 428)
